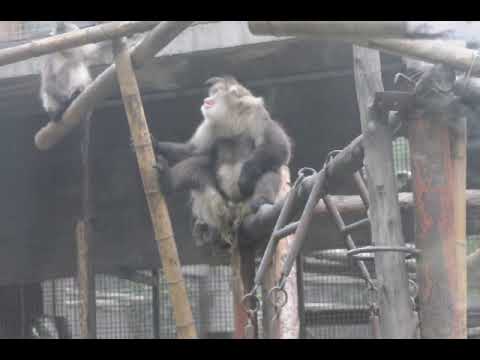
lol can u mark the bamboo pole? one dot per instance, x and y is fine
(73, 39)
(396, 313)
(103, 85)
(339, 29)
(156, 202)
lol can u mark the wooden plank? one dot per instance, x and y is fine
(396, 315)
(156, 202)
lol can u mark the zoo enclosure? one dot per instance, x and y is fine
(72, 111)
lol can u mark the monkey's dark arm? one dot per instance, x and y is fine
(269, 156)
(173, 151)
(193, 173)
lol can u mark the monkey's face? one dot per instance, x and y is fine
(224, 100)
(215, 107)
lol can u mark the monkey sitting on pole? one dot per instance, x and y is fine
(231, 164)
(65, 74)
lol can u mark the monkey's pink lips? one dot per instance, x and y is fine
(208, 103)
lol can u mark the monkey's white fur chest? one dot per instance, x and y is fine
(228, 175)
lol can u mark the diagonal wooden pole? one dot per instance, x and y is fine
(156, 202)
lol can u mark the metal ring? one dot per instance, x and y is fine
(303, 172)
(415, 288)
(366, 249)
(276, 290)
(256, 302)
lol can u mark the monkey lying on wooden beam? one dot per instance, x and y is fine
(231, 164)
(65, 74)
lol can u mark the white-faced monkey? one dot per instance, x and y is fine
(64, 74)
(231, 162)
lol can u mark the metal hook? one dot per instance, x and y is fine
(256, 301)
(274, 300)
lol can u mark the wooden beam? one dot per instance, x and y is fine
(156, 202)
(432, 51)
(396, 315)
(86, 272)
(438, 213)
(339, 29)
(104, 84)
(73, 39)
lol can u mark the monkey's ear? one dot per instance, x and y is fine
(213, 80)
(234, 90)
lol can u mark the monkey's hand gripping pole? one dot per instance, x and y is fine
(156, 202)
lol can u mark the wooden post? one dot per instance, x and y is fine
(396, 313)
(287, 324)
(86, 273)
(243, 273)
(156, 202)
(103, 85)
(438, 164)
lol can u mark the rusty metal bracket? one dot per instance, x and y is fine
(394, 100)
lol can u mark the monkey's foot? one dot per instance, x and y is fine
(256, 203)
(55, 116)
(204, 235)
